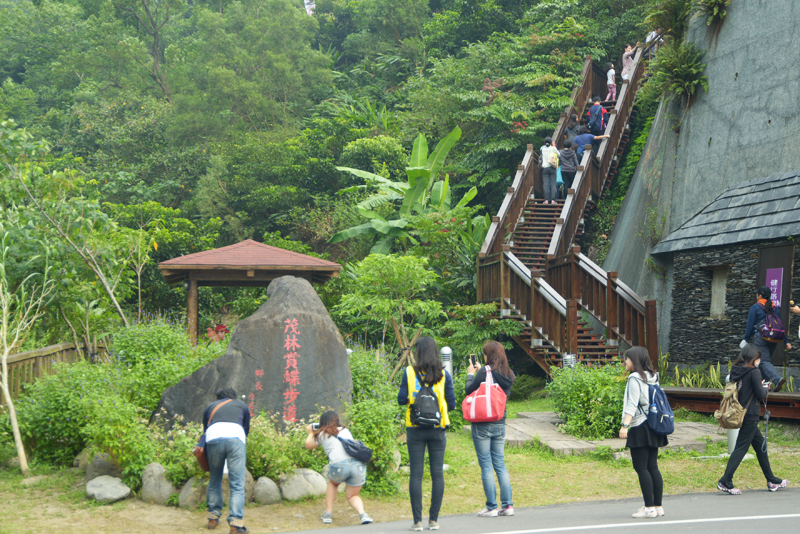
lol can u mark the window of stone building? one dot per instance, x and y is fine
(719, 283)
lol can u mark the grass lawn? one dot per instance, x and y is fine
(57, 504)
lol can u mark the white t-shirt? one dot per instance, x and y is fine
(611, 80)
(225, 430)
(333, 448)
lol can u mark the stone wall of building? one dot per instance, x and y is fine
(698, 338)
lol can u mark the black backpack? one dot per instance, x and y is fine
(596, 119)
(355, 448)
(425, 410)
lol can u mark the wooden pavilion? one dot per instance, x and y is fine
(245, 264)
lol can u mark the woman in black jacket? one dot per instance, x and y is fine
(490, 438)
(752, 390)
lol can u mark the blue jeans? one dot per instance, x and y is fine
(217, 451)
(490, 443)
(768, 371)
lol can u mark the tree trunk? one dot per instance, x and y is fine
(12, 415)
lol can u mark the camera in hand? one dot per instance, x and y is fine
(315, 426)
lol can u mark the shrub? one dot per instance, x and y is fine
(524, 386)
(371, 376)
(52, 415)
(378, 423)
(589, 399)
(275, 448)
(456, 417)
(144, 342)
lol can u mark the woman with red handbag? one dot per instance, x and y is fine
(489, 437)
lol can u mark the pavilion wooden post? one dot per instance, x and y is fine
(191, 312)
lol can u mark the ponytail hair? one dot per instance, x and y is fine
(766, 293)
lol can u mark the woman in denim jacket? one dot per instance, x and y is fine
(490, 438)
(343, 468)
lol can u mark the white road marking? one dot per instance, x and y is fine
(650, 524)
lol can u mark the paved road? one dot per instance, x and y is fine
(756, 511)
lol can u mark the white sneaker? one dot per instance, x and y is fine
(507, 511)
(645, 512)
(659, 511)
(487, 513)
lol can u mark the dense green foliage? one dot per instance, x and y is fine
(589, 399)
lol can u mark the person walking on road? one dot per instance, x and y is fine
(226, 423)
(344, 469)
(642, 442)
(755, 320)
(427, 389)
(490, 438)
(752, 390)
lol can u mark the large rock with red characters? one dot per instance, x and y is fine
(287, 358)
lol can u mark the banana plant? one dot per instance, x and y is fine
(421, 193)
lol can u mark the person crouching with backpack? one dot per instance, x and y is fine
(752, 390)
(343, 468)
(756, 319)
(641, 440)
(427, 389)
(490, 438)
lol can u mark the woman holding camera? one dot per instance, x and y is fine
(424, 384)
(342, 469)
(752, 390)
(642, 442)
(490, 438)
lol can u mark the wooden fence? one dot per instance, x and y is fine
(26, 367)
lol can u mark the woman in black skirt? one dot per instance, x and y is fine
(642, 441)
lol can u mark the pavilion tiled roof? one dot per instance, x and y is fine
(249, 253)
(757, 210)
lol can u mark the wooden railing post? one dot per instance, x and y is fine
(651, 331)
(575, 275)
(572, 327)
(505, 281)
(611, 306)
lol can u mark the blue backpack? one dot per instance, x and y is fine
(660, 417)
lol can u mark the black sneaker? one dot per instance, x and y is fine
(781, 382)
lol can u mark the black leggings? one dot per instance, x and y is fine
(645, 462)
(749, 435)
(436, 442)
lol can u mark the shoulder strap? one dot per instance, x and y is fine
(489, 379)
(217, 407)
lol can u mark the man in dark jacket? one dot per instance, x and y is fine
(568, 160)
(755, 321)
(596, 122)
(226, 423)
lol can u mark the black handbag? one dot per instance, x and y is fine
(356, 449)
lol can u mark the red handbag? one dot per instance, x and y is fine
(200, 448)
(486, 404)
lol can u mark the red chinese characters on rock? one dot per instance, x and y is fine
(291, 376)
(252, 404)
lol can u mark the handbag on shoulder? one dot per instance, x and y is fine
(486, 404)
(200, 448)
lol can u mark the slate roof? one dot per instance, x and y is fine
(757, 210)
(249, 253)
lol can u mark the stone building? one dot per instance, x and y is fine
(744, 239)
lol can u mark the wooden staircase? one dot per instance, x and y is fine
(528, 265)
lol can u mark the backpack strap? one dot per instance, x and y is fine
(214, 411)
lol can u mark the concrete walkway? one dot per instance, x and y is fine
(530, 426)
(710, 513)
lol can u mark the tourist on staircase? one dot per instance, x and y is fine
(343, 468)
(611, 82)
(596, 122)
(627, 60)
(490, 438)
(752, 390)
(585, 139)
(568, 160)
(427, 389)
(571, 131)
(756, 319)
(641, 440)
(549, 164)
